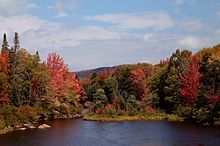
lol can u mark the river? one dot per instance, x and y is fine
(71, 132)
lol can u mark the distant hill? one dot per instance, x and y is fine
(88, 73)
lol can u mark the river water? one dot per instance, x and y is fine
(129, 133)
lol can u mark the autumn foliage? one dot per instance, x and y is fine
(139, 87)
(63, 90)
(189, 82)
(4, 77)
(62, 83)
(186, 85)
(44, 89)
(57, 74)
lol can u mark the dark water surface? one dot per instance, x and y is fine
(134, 133)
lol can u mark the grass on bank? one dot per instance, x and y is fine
(156, 116)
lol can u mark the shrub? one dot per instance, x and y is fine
(2, 122)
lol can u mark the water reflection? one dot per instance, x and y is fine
(134, 133)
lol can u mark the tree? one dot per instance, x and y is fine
(167, 83)
(210, 72)
(72, 83)
(169, 94)
(5, 43)
(101, 77)
(20, 77)
(57, 71)
(61, 82)
(16, 42)
(190, 82)
(100, 100)
(139, 87)
(38, 77)
(4, 77)
(156, 84)
(16, 80)
(124, 84)
(204, 63)
(111, 88)
(179, 59)
(213, 76)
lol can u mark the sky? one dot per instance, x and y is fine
(94, 33)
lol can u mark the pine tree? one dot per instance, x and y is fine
(5, 43)
(16, 42)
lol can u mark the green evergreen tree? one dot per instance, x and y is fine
(100, 98)
(124, 84)
(167, 86)
(111, 88)
(16, 42)
(5, 43)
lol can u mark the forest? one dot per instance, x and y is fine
(185, 86)
(31, 90)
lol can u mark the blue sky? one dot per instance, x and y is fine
(94, 33)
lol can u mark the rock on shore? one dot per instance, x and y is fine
(44, 126)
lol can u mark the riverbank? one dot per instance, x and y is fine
(24, 127)
(6, 130)
(159, 116)
(167, 117)
(154, 117)
(40, 124)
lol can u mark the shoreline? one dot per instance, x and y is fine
(162, 117)
(36, 124)
(133, 118)
(98, 118)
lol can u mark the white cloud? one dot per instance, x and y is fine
(86, 47)
(61, 14)
(12, 7)
(179, 2)
(61, 38)
(32, 6)
(190, 42)
(190, 25)
(63, 7)
(15, 7)
(89, 46)
(216, 32)
(39, 33)
(218, 14)
(22, 23)
(155, 20)
(149, 38)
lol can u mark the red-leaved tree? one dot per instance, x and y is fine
(4, 76)
(189, 82)
(139, 87)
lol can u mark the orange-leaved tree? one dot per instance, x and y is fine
(4, 77)
(61, 82)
